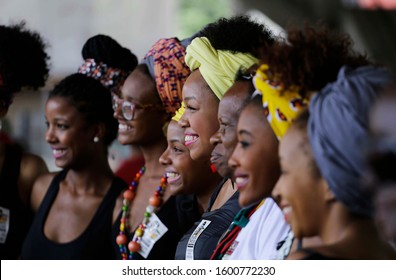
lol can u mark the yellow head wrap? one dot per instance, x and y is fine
(179, 113)
(217, 67)
(281, 105)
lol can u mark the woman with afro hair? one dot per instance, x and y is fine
(23, 64)
(291, 71)
(221, 50)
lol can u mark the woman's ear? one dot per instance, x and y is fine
(100, 131)
(327, 192)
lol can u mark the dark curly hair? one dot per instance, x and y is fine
(107, 50)
(23, 59)
(91, 99)
(311, 57)
(237, 34)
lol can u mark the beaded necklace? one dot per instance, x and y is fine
(154, 203)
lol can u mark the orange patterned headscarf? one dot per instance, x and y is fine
(166, 59)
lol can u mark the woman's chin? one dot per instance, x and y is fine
(175, 189)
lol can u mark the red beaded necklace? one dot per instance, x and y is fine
(155, 202)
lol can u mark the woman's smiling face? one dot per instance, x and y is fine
(184, 174)
(149, 116)
(300, 190)
(68, 134)
(255, 159)
(200, 117)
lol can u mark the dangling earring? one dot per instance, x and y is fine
(213, 168)
(96, 139)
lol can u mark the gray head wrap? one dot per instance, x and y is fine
(338, 128)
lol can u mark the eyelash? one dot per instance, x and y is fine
(191, 108)
(62, 126)
(223, 128)
(177, 150)
(244, 144)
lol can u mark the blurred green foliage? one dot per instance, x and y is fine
(194, 14)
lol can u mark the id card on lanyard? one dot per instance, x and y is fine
(154, 231)
(194, 237)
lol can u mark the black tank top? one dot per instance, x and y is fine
(95, 243)
(15, 218)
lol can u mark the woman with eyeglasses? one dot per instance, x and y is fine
(152, 221)
(110, 63)
(23, 63)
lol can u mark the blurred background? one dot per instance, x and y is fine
(137, 24)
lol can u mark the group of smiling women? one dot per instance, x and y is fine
(253, 148)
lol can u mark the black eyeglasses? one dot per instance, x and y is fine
(128, 108)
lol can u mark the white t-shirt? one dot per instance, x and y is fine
(259, 238)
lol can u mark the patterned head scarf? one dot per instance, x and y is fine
(217, 67)
(111, 78)
(165, 61)
(281, 105)
(337, 128)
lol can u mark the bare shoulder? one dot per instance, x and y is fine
(40, 188)
(32, 166)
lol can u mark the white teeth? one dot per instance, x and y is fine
(240, 180)
(189, 138)
(171, 174)
(123, 127)
(286, 210)
(58, 152)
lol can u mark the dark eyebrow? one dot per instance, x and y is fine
(175, 141)
(223, 119)
(243, 131)
(130, 99)
(190, 98)
(59, 119)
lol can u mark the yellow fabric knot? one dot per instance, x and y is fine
(281, 105)
(179, 113)
(217, 67)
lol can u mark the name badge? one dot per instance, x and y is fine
(154, 231)
(194, 237)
